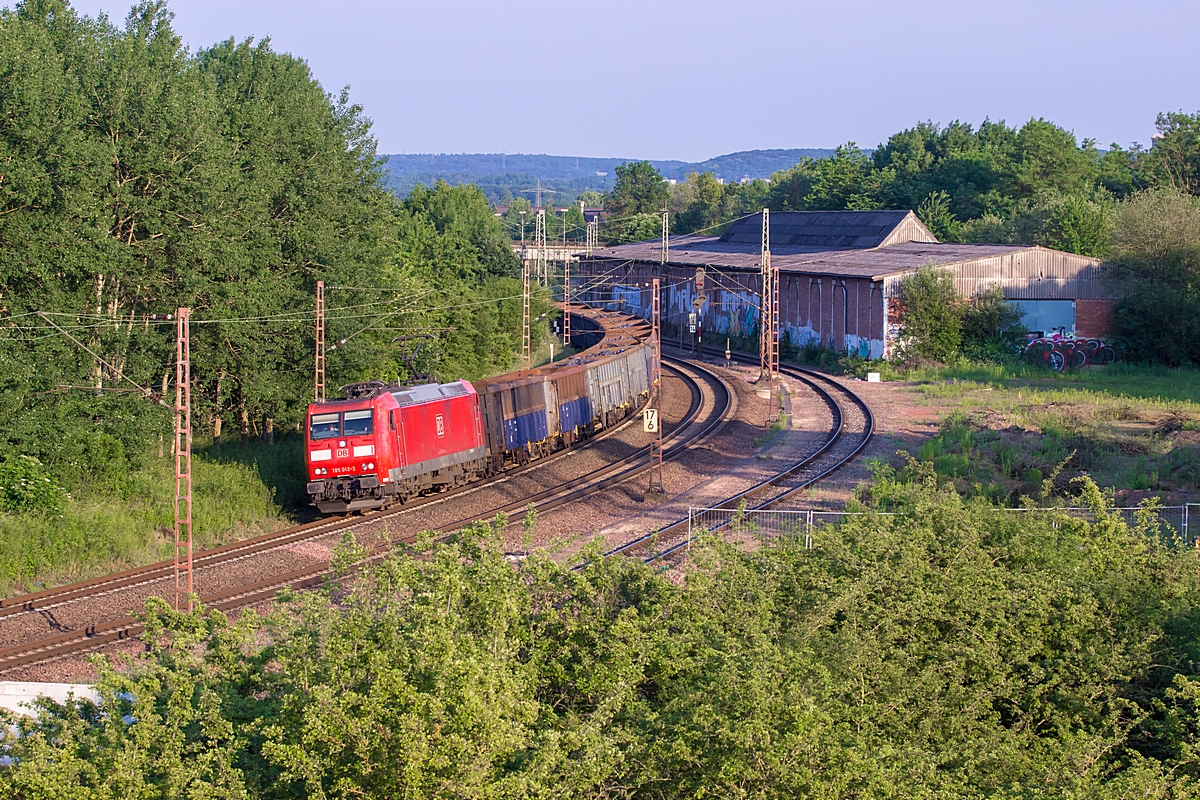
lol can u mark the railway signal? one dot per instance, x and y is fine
(183, 457)
(654, 407)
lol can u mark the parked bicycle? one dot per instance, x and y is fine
(1061, 350)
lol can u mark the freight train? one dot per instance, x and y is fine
(383, 444)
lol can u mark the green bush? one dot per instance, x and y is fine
(951, 650)
(52, 537)
(931, 313)
(1156, 267)
(991, 327)
(26, 486)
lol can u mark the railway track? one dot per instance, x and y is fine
(692, 430)
(839, 449)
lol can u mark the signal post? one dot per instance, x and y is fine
(652, 421)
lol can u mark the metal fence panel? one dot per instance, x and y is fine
(1173, 521)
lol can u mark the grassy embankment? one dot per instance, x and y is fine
(237, 492)
(1006, 429)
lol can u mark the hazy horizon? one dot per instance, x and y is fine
(690, 81)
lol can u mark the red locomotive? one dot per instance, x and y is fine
(389, 443)
(384, 444)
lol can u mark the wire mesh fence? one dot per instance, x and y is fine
(1182, 521)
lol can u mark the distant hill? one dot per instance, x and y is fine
(748, 163)
(502, 176)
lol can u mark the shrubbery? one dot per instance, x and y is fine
(952, 650)
(940, 325)
(1156, 266)
(931, 313)
(26, 486)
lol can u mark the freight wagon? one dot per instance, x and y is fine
(383, 444)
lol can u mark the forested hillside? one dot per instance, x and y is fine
(136, 177)
(503, 177)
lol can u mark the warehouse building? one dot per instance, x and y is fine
(840, 274)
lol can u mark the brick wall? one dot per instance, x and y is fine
(1094, 317)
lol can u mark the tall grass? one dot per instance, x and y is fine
(1134, 381)
(237, 492)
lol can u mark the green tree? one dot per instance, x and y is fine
(1049, 160)
(934, 211)
(639, 189)
(1155, 263)
(1078, 225)
(702, 206)
(931, 314)
(945, 649)
(592, 199)
(847, 180)
(517, 217)
(138, 178)
(1174, 158)
(463, 212)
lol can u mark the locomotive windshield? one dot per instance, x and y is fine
(324, 426)
(357, 423)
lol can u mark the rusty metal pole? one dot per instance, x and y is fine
(567, 301)
(764, 349)
(525, 354)
(183, 458)
(319, 379)
(656, 442)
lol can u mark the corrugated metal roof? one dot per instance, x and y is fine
(837, 229)
(876, 245)
(874, 263)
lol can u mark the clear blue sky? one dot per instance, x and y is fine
(691, 79)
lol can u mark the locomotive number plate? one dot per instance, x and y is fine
(343, 452)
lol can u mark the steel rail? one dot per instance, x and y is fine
(128, 627)
(48, 598)
(837, 430)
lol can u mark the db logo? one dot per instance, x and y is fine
(343, 452)
(441, 426)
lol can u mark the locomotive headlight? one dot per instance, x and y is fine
(371, 465)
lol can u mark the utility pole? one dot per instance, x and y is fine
(591, 237)
(664, 256)
(522, 216)
(655, 405)
(769, 345)
(319, 373)
(525, 354)
(567, 302)
(183, 457)
(566, 280)
(539, 240)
